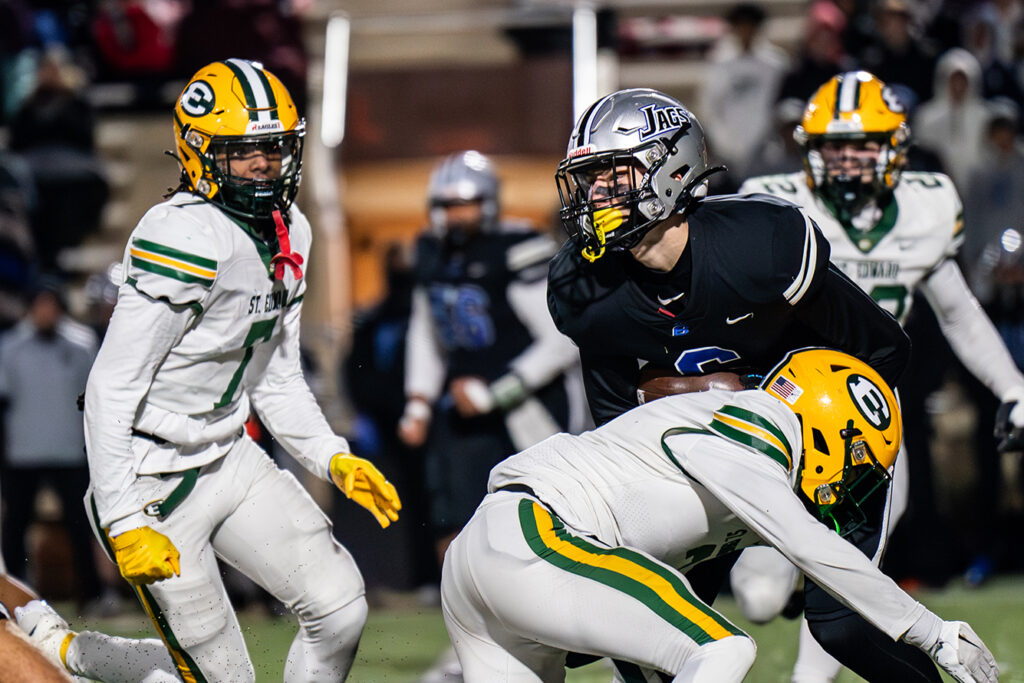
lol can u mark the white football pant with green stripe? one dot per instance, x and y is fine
(259, 519)
(519, 589)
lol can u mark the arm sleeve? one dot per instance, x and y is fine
(141, 333)
(424, 361)
(846, 318)
(759, 492)
(286, 405)
(551, 352)
(970, 333)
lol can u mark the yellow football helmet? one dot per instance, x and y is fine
(851, 430)
(233, 110)
(853, 106)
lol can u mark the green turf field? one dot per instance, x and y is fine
(400, 642)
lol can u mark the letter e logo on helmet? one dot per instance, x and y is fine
(198, 99)
(869, 401)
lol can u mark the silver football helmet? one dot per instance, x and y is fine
(635, 157)
(461, 178)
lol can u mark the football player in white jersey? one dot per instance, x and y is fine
(206, 330)
(891, 231)
(579, 543)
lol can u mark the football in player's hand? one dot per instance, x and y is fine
(657, 382)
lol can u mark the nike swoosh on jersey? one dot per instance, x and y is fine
(666, 302)
(733, 321)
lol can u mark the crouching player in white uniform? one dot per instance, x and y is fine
(206, 328)
(581, 543)
(891, 231)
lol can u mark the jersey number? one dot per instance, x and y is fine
(892, 298)
(704, 552)
(259, 332)
(702, 361)
(463, 317)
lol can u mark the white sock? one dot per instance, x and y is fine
(813, 664)
(120, 660)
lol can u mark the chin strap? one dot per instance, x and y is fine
(285, 255)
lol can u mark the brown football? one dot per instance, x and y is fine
(658, 382)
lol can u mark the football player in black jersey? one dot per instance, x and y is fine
(656, 272)
(486, 370)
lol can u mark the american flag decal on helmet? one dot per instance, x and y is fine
(786, 390)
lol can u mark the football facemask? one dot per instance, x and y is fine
(635, 158)
(853, 107)
(851, 431)
(229, 113)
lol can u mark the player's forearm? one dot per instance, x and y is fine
(140, 335)
(292, 415)
(424, 362)
(759, 493)
(971, 335)
(551, 353)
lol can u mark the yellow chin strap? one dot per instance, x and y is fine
(605, 221)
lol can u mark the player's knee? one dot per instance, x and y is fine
(340, 628)
(726, 661)
(760, 600)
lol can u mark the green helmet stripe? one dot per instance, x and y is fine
(271, 100)
(258, 96)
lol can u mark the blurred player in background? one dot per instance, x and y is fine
(205, 330)
(592, 530)
(487, 372)
(891, 231)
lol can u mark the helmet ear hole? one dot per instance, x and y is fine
(820, 444)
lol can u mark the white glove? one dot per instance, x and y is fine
(1015, 395)
(961, 654)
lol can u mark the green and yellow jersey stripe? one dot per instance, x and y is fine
(752, 430)
(625, 570)
(174, 263)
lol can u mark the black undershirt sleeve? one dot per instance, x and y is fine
(849, 320)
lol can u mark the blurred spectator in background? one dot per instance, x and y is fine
(53, 131)
(44, 363)
(998, 74)
(779, 152)
(821, 54)
(129, 42)
(100, 296)
(896, 55)
(268, 31)
(15, 38)
(952, 123)
(17, 250)
(994, 257)
(739, 88)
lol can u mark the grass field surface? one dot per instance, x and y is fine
(401, 641)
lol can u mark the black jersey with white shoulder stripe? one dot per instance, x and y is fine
(753, 283)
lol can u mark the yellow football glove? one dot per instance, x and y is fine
(364, 484)
(144, 556)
